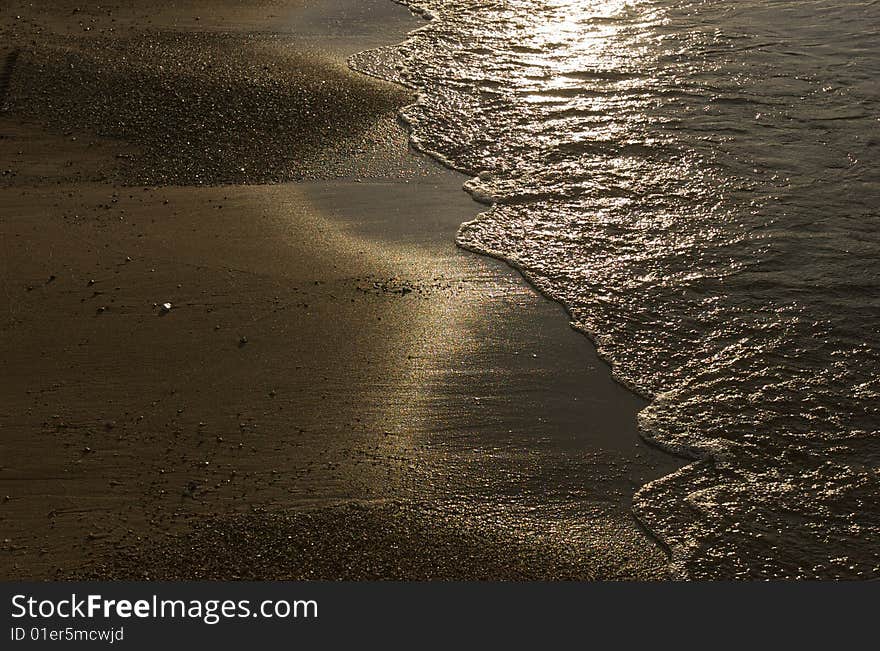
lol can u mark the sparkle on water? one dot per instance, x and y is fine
(698, 183)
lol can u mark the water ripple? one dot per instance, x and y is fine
(698, 182)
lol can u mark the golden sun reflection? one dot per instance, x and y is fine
(575, 42)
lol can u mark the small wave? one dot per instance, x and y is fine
(692, 183)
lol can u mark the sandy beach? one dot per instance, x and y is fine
(336, 391)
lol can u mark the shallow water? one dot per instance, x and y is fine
(698, 182)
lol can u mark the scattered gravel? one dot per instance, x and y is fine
(201, 108)
(387, 541)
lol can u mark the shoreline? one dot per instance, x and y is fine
(370, 387)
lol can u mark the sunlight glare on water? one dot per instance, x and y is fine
(698, 183)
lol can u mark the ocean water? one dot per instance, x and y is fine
(698, 182)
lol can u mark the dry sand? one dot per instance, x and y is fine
(337, 391)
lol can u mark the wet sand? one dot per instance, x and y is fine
(337, 391)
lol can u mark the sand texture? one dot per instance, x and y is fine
(336, 391)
